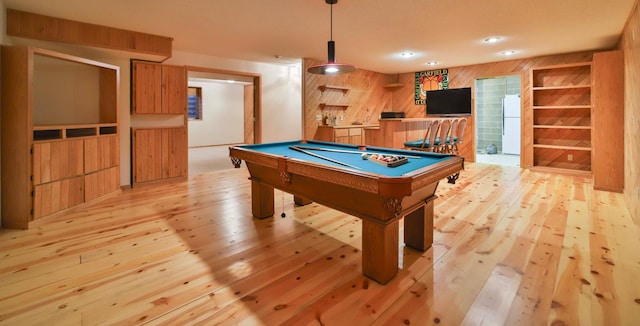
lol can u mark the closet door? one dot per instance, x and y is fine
(147, 154)
(174, 152)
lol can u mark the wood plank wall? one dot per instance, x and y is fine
(401, 99)
(631, 49)
(366, 96)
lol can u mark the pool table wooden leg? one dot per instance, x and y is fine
(418, 227)
(261, 200)
(301, 201)
(380, 250)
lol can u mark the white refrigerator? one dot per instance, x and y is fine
(511, 124)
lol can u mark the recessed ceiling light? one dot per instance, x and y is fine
(492, 39)
(508, 52)
(432, 63)
(406, 54)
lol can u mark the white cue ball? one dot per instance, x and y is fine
(364, 156)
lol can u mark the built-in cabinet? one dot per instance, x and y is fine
(158, 88)
(159, 154)
(341, 134)
(561, 98)
(59, 133)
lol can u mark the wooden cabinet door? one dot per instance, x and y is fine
(58, 195)
(174, 152)
(147, 154)
(174, 90)
(100, 183)
(57, 160)
(341, 136)
(159, 153)
(355, 136)
(101, 153)
(146, 88)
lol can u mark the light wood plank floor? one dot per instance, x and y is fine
(512, 247)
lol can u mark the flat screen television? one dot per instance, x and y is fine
(449, 102)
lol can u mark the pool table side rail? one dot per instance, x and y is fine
(356, 179)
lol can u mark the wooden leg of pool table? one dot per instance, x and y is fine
(379, 250)
(261, 200)
(418, 227)
(301, 200)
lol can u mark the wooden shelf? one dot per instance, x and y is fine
(88, 125)
(561, 107)
(324, 88)
(52, 132)
(560, 127)
(393, 86)
(562, 66)
(548, 88)
(337, 106)
(573, 148)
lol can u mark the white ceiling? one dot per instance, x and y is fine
(370, 34)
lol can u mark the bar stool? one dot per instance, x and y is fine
(456, 138)
(440, 143)
(426, 144)
(452, 135)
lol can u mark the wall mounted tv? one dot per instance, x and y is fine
(449, 102)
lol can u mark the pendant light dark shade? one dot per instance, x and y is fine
(331, 67)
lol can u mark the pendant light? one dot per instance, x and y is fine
(331, 67)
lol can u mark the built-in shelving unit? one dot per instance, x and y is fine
(561, 98)
(60, 142)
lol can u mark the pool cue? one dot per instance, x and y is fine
(352, 152)
(297, 148)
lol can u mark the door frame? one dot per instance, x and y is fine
(257, 95)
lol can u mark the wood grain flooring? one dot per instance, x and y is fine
(512, 247)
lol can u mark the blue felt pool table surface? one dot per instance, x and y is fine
(424, 159)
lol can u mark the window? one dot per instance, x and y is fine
(194, 103)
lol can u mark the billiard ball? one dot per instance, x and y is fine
(364, 156)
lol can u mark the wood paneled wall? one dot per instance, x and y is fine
(402, 98)
(365, 96)
(630, 44)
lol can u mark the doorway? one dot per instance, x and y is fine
(498, 120)
(224, 110)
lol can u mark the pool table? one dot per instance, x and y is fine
(337, 176)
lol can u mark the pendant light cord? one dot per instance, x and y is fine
(331, 22)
